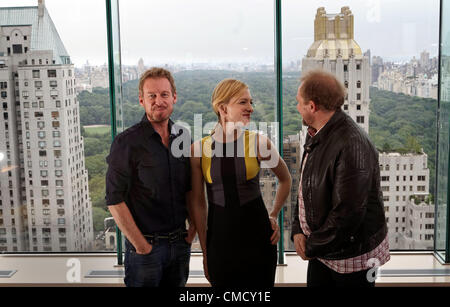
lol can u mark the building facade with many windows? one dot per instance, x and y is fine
(405, 186)
(45, 198)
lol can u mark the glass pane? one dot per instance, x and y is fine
(386, 54)
(218, 40)
(52, 143)
(117, 65)
(443, 145)
(113, 236)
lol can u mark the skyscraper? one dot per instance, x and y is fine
(292, 157)
(45, 203)
(405, 185)
(335, 50)
(425, 59)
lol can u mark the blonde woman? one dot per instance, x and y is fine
(237, 235)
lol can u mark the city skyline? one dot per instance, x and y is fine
(245, 34)
(233, 65)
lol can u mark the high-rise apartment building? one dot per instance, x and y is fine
(292, 157)
(377, 68)
(424, 59)
(419, 226)
(140, 68)
(45, 204)
(335, 50)
(268, 187)
(405, 186)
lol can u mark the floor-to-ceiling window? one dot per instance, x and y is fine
(201, 42)
(386, 55)
(441, 240)
(54, 127)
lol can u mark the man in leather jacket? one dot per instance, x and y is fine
(339, 225)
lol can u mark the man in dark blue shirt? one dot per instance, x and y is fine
(146, 185)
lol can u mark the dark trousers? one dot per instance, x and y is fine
(256, 274)
(319, 275)
(167, 265)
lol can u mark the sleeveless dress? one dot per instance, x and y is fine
(239, 251)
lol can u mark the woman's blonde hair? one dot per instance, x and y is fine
(224, 92)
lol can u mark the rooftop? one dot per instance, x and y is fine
(43, 32)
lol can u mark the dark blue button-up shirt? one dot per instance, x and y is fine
(151, 179)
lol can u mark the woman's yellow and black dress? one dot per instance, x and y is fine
(239, 251)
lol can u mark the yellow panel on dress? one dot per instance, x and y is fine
(251, 158)
(206, 158)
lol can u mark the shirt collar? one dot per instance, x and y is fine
(150, 130)
(312, 139)
(312, 132)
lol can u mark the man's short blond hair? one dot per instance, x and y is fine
(156, 73)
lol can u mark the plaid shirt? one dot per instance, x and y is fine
(350, 265)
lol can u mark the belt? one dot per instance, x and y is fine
(172, 237)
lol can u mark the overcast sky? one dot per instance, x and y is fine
(176, 31)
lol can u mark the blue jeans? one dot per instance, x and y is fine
(167, 265)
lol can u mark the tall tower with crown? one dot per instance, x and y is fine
(335, 50)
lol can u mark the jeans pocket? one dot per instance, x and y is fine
(146, 259)
(144, 270)
(143, 255)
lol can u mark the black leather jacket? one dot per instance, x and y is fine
(341, 192)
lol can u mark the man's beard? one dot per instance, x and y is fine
(159, 118)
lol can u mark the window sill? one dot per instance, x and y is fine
(52, 270)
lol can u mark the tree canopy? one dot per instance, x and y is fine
(397, 122)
